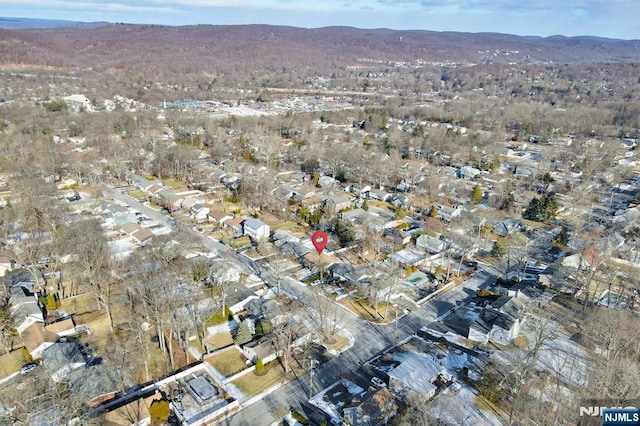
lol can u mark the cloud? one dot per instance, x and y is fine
(72, 6)
(610, 18)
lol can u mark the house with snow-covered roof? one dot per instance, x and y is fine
(417, 373)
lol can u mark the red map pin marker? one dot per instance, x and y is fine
(319, 240)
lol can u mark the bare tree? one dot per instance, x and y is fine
(327, 316)
(286, 329)
(94, 263)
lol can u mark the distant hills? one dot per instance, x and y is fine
(28, 23)
(164, 50)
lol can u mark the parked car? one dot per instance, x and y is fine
(27, 368)
(378, 382)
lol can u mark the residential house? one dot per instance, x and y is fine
(95, 384)
(36, 339)
(433, 245)
(326, 182)
(417, 373)
(447, 213)
(134, 413)
(263, 348)
(378, 194)
(63, 357)
(589, 259)
(494, 326)
(294, 249)
(507, 226)
(334, 204)
(143, 183)
(64, 327)
(235, 225)
(25, 310)
(219, 217)
(190, 202)
(23, 281)
(409, 257)
(313, 201)
(400, 200)
(354, 216)
(170, 200)
(395, 236)
(137, 232)
(467, 172)
(6, 265)
(499, 322)
(199, 212)
(283, 194)
(154, 190)
(347, 272)
(451, 171)
(266, 348)
(256, 229)
(375, 409)
(419, 280)
(260, 308)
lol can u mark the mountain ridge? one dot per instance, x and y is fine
(228, 48)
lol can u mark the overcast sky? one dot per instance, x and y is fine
(604, 18)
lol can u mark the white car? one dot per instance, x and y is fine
(378, 382)
(27, 368)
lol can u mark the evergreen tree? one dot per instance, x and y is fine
(476, 195)
(497, 250)
(563, 237)
(365, 206)
(259, 367)
(542, 209)
(344, 231)
(243, 334)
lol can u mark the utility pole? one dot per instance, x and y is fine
(395, 327)
(312, 367)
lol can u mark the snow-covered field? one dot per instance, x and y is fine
(460, 409)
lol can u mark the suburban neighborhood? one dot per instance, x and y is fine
(316, 257)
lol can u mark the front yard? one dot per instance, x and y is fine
(228, 362)
(251, 384)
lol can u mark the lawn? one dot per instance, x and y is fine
(228, 362)
(218, 317)
(11, 362)
(338, 343)
(174, 185)
(251, 384)
(367, 312)
(285, 226)
(218, 340)
(137, 194)
(80, 304)
(239, 243)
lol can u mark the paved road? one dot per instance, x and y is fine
(164, 219)
(370, 339)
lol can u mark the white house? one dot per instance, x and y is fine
(256, 229)
(199, 212)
